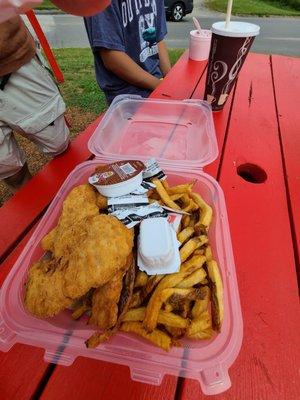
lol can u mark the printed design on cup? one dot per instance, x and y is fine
(234, 70)
(219, 71)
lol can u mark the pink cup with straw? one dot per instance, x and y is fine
(199, 45)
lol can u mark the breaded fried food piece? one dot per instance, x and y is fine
(123, 306)
(105, 299)
(98, 256)
(79, 204)
(44, 290)
(105, 303)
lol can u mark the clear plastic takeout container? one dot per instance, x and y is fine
(207, 361)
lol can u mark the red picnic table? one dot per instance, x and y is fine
(259, 170)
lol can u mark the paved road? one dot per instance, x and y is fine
(278, 35)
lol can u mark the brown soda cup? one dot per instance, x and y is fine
(228, 51)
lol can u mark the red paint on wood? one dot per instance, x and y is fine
(92, 379)
(26, 205)
(220, 120)
(267, 365)
(181, 80)
(286, 73)
(22, 368)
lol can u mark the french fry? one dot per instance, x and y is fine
(204, 282)
(198, 252)
(185, 199)
(155, 303)
(141, 279)
(136, 299)
(189, 247)
(186, 269)
(208, 253)
(164, 317)
(176, 197)
(201, 306)
(185, 188)
(165, 184)
(164, 195)
(205, 210)
(76, 314)
(134, 314)
(185, 221)
(157, 337)
(176, 333)
(168, 307)
(217, 308)
(202, 335)
(185, 234)
(193, 279)
(139, 296)
(199, 324)
(192, 206)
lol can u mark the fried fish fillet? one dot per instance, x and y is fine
(105, 303)
(79, 204)
(103, 245)
(44, 289)
(99, 254)
(123, 306)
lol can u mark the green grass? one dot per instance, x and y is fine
(255, 7)
(80, 90)
(46, 5)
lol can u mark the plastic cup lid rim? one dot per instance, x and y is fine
(235, 29)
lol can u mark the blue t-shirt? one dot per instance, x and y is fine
(131, 26)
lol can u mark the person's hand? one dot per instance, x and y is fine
(11, 8)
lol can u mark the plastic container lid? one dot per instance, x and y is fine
(174, 132)
(235, 29)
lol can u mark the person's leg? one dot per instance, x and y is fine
(53, 139)
(34, 107)
(16, 181)
(13, 167)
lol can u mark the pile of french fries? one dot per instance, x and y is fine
(187, 304)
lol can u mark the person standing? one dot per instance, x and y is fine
(30, 103)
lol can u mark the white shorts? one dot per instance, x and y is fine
(31, 105)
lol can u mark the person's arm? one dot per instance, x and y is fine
(120, 64)
(164, 61)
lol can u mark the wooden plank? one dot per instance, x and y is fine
(92, 379)
(221, 120)
(259, 220)
(22, 368)
(286, 75)
(181, 81)
(25, 206)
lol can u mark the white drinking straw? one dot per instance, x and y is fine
(228, 14)
(197, 25)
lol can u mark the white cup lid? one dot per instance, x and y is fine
(235, 29)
